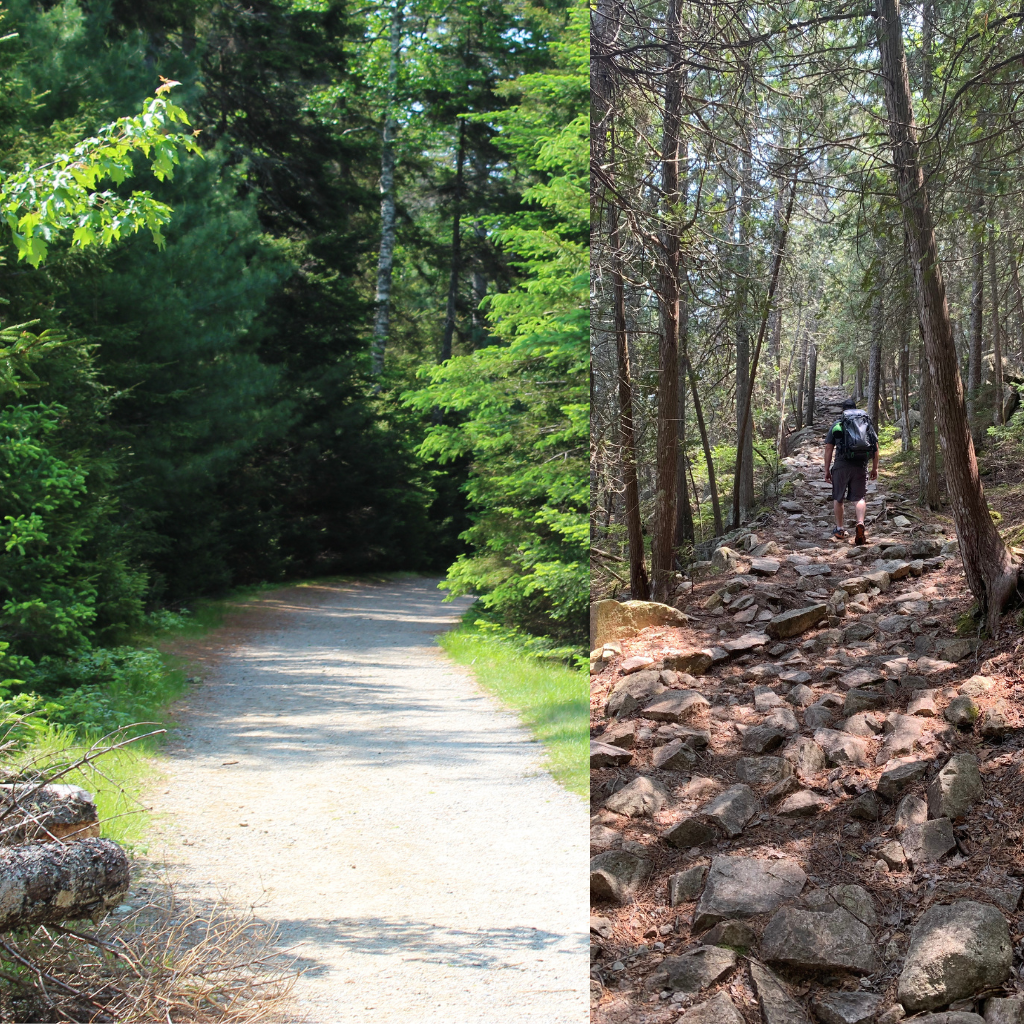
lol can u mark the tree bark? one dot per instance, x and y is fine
(744, 477)
(997, 342)
(812, 383)
(698, 411)
(684, 514)
(1018, 298)
(800, 383)
(46, 883)
(875, 357)
(456, 264)
(906, 436)
(928, 472)
(386, 256)
(667, 443)
(977, 317)
(991, 572)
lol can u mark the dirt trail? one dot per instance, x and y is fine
(785, 798)
(340, 775)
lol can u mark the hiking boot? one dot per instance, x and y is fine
(861, 535)
(839, 533)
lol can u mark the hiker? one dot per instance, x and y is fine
(855, 442)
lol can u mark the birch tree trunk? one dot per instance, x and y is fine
(386, 256)
(991, 572)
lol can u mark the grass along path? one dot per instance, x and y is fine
(550, 699)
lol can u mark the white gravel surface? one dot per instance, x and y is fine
(387, 815)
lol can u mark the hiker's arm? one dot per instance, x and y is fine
(874, 466)
(828, 463)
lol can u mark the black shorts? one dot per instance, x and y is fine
(849, 480)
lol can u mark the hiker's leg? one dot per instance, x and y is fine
(862, 506)
(839, 513)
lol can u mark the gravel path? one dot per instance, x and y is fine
(384, 813)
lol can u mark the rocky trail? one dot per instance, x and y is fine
(362, 794)
(806, 784)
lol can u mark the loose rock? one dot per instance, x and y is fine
(794, 622)
(777, 1005)
(928, 842)
(898, 776)
(955, 951)
(743, 887)
(695, 970)
(615, 876)
(762, 771)
(912, 810)
(676, 706)
(604, 755)
(847, 1007)
(734, 934)
(674, 756)
(719, 1009)
(805, 755)
(840, 748)
(956, 788)
(804, 804)
(962, 712)
(812, 939)
(642, 796)
(633, 692)
(685, 886)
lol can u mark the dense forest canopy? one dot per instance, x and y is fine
(322, 312)
(787, 194)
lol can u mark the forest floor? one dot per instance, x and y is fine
(827, 744)
(338, 775)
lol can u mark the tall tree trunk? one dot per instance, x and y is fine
(991, 572)
(667, 453)
(684, 514)
(928, 471)
(456, 265)
(639, 585)
(875, 356)
(744, 478)
(386, 256)
(1018, 298)
(997, 341)
(747, 422)
(698, 411)
(977, 316)
(478, 283)
(812, 383)
(906, 436)
(800, 383)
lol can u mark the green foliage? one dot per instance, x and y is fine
(519, 408)
(38, 203)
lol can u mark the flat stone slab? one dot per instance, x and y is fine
(796, 621)
(693, 660)
(803, 804)
(747, 642)
(676, 706)
(762, 739)
(833, 940)
(861, 677)
(606, 755)
(694, 971)
(956, 950)
(814, 569)
(765, 566)
(742, 887)
(732, 809)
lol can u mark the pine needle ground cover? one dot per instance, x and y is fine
(550, 698)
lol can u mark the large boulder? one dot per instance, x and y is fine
(695, 970)
(612, 620)
(615, 876)
(956, 950)
(956, 788)
(807, 939)
(743, 887)
(794, 622)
